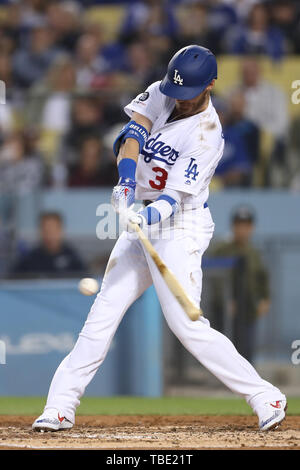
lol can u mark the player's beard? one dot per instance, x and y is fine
(188, 108)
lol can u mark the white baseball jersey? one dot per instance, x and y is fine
(180, 155)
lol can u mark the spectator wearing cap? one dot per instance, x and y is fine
(249, 282)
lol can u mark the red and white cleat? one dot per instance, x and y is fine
(271, 414)
(51, 420)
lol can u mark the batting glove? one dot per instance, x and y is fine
(130, 217)
(123, 195)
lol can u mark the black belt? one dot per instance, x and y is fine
(146, 203)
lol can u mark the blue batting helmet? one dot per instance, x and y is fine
(190, 71)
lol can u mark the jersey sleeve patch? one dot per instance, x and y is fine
(148, 103)
(143, 96)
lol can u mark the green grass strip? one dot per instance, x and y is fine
(141, 406)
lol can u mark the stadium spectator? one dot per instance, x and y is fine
(241, 143)
(221, 17)
(65, 22)
(93, 27)
(87, 120)
(11, 31)
(136, 67)
(21, 165)
(57, 108)
(6, 71)
(266, 104)
(196, 28)
(5, 242)
(286, 16)
(247, 129)
(31, 61)
(241, 8)
(258, 36)
(52, 256)
(89, 62)
(293, 177)
(111, 53)
(161, 47)
(266, 107)
(234, 169)
(140, 66)
(250, 282)
(91, 170)
(31, 13)
(152, 16)
(7, 111)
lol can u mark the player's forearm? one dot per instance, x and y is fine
(130, 147)
(165, 206)
(127, 147)
(127, 160)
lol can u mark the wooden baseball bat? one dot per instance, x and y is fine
(188, 305)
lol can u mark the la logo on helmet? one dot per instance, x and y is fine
(177, 78)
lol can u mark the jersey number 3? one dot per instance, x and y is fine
(160, 179)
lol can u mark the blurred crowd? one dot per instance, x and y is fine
(66, 85)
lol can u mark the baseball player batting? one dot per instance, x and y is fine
(166, 156)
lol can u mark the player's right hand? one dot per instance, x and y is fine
(123, 195)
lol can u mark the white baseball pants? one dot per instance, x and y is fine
(130, 271)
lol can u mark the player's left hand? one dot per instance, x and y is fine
(123, 195)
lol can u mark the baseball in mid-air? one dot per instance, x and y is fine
(88, 286)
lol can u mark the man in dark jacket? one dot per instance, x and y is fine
(249, 284)
(53, 256)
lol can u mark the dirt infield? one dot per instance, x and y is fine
(152, 432)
